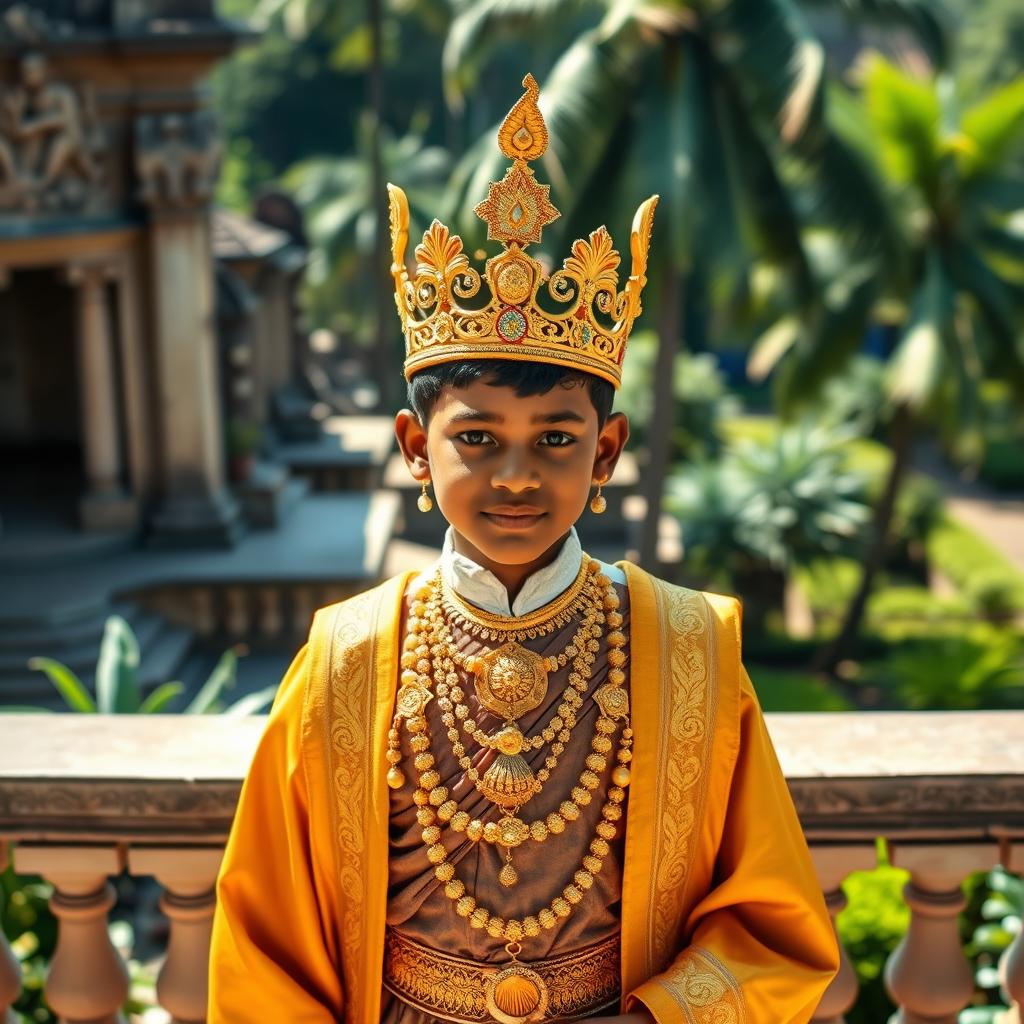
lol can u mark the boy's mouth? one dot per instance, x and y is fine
(515, 517)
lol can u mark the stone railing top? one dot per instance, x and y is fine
(916, 775)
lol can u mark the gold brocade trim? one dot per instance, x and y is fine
(705, 989)
(579, 984)
(688, 708)
(358, 633)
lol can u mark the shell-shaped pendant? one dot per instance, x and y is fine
(508, 876)
(508, 780)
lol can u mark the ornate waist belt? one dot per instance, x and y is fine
(567, 987)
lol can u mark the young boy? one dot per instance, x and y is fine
(522, 785)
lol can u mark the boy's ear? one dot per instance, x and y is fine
(412, 440)
(610, 443)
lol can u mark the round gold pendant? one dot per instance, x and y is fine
(516, 995)
(511, 680)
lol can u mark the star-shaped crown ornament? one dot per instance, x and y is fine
(584, 321)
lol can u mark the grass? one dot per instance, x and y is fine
(965, 558)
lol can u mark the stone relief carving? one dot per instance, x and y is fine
(177, 158)
(50, 144)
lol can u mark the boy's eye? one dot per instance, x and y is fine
(473, 437)
(557, 439)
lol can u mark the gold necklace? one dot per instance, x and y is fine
(541, 621)
(581, 649)
(510, 831)
(510, 781)
(433, 804)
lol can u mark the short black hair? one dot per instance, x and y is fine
(526, 378)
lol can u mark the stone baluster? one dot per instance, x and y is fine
(87, 982)
(270, 611)
(833, 864)
(204, 617)
(188, 877)
(927, 974)
(302, 610)
(237, 611)
(10, 969)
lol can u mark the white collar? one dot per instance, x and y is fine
(485, 590)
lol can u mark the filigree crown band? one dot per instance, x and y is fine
(586, 319)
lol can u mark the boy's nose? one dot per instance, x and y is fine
(515, 475)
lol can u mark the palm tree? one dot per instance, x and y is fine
(954, 196)
(719, 107)
(337, 195)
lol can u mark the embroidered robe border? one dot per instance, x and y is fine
(674, 699)
(362, 674)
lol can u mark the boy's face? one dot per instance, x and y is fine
(511, 474)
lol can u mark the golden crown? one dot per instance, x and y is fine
(442, 316)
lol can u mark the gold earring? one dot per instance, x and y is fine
(598, 503)
(423, 502)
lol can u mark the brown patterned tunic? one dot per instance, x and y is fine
(417, 905)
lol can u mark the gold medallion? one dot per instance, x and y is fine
(411, 700)
(516, 995)
(510, 680)
(613, 701)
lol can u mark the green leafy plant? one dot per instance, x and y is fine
(998, 922)
(765, 507)
(117, 683)
(982, 670)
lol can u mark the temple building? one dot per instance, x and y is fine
(163, 454)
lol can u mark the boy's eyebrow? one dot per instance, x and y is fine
(561, 416)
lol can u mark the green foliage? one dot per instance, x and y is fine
(31, 930)
(970, 562)
(982, 668)
(999, 903)
(702, 400)
(791, 690)
(870, 927)
(117, 687)
(779, 503)
(338, 200)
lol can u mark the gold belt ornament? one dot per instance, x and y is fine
(567, 987)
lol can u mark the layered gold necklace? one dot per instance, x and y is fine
(510, 681)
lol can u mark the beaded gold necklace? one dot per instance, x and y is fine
(435, 805)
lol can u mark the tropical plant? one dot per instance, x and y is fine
(947, 673)
(952, 196)
(717, 107)
(117, 682)
(702, 399)
(766, 507)
(998, 923)
(337, 196)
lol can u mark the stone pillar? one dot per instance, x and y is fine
(833, 864)
(927, 974)
(188, 877)
(176, 161)
(106, 505)
(87, 982)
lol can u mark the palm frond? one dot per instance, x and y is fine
(995, 127)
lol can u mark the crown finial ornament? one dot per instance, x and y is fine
(576, 317)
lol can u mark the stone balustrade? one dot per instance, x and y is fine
(86, 797)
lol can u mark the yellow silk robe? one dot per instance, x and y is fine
(722, 917)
